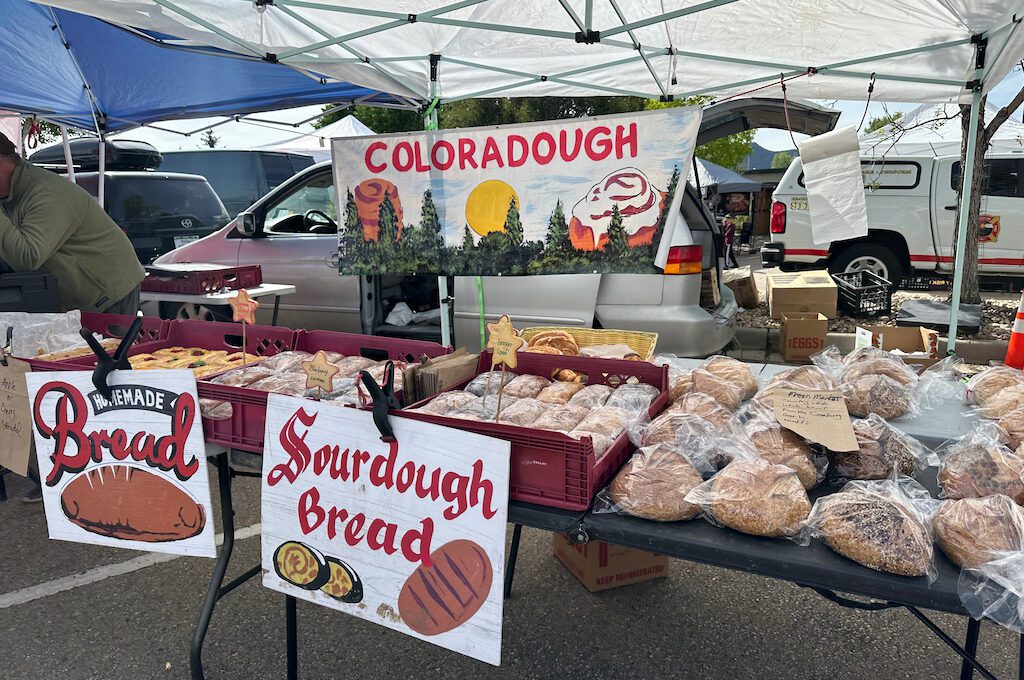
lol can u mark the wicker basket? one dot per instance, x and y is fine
(639, 341)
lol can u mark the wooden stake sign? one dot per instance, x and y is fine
(504, 343)
(243, 310)
(320, 374)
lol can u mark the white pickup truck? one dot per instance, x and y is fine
(911, 204)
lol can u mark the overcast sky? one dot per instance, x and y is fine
(248, 135)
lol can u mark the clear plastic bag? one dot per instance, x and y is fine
(885, 525)
(705, 407)
(706, 447)
(591, 397)
(609, 421)
(348, 367)
(728, 381)
(286, 361)
(524, 386)
(883, 451)
(524, 412)
(619, 351)
(780, 446)
(1012, 427)
(561, 418)
(215, 409)
(830, 361)
(978, 465)
(874, 361)
(342, 386)
(243, 376)
(444, 403)
(482, 408)
(653, 485)
(490, 382)
(878, 394)
(755, 497)
(559, 392)
(938, 384)
(801, 377)
(1003, 402)
(971, 530)
(293, 384)
(991, 381)
(636, 398)
(995, 590)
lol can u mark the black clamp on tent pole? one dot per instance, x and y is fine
(383, 399)
(105, 363)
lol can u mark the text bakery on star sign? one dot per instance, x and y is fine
(571, 196)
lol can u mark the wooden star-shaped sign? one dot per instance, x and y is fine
(320, 372)
(243, 308)
(504, 341)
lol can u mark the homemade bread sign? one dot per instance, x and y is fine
(584, 195)
(129, 471)
(409, 534)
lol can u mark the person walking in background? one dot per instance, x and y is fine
(729, 239)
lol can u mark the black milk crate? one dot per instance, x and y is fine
(925, 283)
(29, 292)
(864, 293)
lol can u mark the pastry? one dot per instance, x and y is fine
(607, 420)
(109, 344)
(563, 341)
(591, 397)
(133, 504)
(544, 349)
(974, 467)
(1003, 402)
(867, 523)
(780, 446)
(729, 381)
(561, 418)
(877, 394)
(559, 392)
(971, 529)
(526, 386)
(634, 397)
(882, 449)
(991, 381)
(445, 402)
(524, 412)
(566, 375)
(755, 497)
(705, 407)
(654, 483)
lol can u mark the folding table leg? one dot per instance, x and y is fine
(971, 647)
(1020, 659)
(292, 635)
(220, 568)
(513, 554)
(3, 485)
(277, 308)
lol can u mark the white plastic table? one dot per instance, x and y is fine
(221, 299)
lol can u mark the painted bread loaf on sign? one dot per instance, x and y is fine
(443, 596)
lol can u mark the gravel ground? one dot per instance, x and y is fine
(997, 313)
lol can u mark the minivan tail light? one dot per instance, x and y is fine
(684, 260)
(778, 223)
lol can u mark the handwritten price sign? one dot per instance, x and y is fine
(819, 416)
(408, 534)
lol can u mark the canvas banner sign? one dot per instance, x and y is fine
(560, 197)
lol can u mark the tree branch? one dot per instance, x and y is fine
(1002, 116)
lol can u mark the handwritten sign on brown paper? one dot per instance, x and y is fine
(819, 416)
(15, 418)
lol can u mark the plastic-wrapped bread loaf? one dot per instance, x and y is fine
(491, 381)
(654, 483)
(991, 381)
(877, 394)
(293, 384)
(348, 367)
(728, 381)
(609, 421)
(882, 449)
(1003, 402)
(971, 530)
(635, 398)
(561, 418)
(872, 361)
(705, 407)
(780, 446)
(526, 386)
(591, 397)
(446, 402)
(978, 465)
(801, 377)
(559, 392)
(524, 412)
(286, 361)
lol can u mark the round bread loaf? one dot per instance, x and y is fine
(607, 420)
(490, 382)
(591, 397)
(524, 412)
(969, 530)
(756, 497)
(705, 407)
(680, 384)
(882, 449)
(780, 446)
(1004, 402)
(877, 394)
(873, 361)
(974, 468)
(875, 531)
(635, 398)
(991, 381)
(1012, 425)
(525, 386)
(544, 349)
(804, 377)
(563, 341)
(704, 446)
(727, 380)
(654, 483)
(561, 418)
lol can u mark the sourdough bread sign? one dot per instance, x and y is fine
(129, 471)
(573, 196)
(408, 534)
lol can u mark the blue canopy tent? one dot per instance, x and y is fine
(82, 72)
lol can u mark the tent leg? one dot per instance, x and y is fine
(67, 153)
(101, 181)
(965, 206)
(446, 326)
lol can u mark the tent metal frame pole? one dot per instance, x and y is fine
(101, 180)
(94, 105)
(68, 161)
(967, 177)
(244, 44)
(430, 123)
(666, 16)
(639, 49)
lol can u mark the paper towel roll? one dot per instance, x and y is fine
(835, 186)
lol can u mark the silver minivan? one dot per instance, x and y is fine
(285, 232)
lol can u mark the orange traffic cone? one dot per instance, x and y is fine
(1015, 352)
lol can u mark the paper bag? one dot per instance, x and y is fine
(835, 186)
(15, 418)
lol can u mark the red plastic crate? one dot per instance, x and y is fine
(244, 429)
(551, 468)
(202, 279)
(109, 326)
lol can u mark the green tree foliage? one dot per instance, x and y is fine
(379, 120)
(209, 139)
(877, 123)
(782, 160)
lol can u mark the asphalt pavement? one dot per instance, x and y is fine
(76, 612)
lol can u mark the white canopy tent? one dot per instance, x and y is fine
(444, 50)
(318, 143)
(935, 130)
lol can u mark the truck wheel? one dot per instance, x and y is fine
(871, 257)
(195, 312)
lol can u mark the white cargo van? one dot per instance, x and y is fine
(912, 210)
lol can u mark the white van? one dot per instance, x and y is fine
(912, 211)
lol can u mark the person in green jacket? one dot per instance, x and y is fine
(48, 223)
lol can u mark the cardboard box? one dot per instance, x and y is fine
(601, 566)
(791, 292)
(921, 343)
(741, 282)
(802, 335)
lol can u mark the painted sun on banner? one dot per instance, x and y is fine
(562, 197)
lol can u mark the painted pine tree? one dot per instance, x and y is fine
(557, 238)
(513, 225)
(351, 244)
(617, 246)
